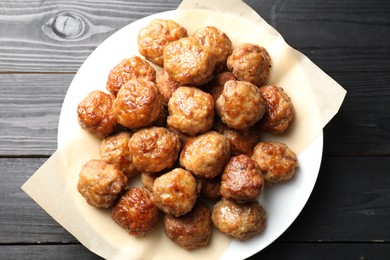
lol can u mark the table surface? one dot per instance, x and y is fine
(43, 44)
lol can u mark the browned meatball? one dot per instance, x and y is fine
(218, 42)
(240, 105)
(138, 103)
(101, 183)
(189, 62)
(175, 192)
(205, 155)
(240, 142)
(276, 161)
(191, 111)
(147, 179)
(279, 110)
(192, 230)
(242, 179)
(95, 114)
(250, 62)
(154, 149)
(240, 221)
(128, 69)
(135, 212)
(155, 36)
(210, 188)
(215, 87)
(114, 150)
(166, 86)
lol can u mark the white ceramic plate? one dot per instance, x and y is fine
(283, 203)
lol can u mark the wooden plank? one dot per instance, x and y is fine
(62, 40)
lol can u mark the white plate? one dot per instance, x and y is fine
(283, 203)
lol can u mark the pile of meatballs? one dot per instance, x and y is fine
(192, 132)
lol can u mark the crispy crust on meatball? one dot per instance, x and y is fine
(175, 192)
(128, 69)
(215, 87)
(240, 221)
(242, 179)
(148, 179)
(95, 114)
(114, 150)
(154, 149)
(100, 183)
(135, 212)
(276, 161)
(155, 36)
(240, 105)
(166, 86)
(189, 62)
(191, 111)
(250, 62)
(205, 155)
(192, 230)
(279, 110)
(138, 103)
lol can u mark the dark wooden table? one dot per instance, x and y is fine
(43, 43)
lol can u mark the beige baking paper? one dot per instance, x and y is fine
(316, 97)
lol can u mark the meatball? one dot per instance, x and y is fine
(240, 142)
(210, 188)
(191, 111)
(192, 230)
(175, 192)
(166, 86)
(217, 84)
(128, 69)
(189, 62)
(218, 42)
(155, 36)
(240, 105)
(279, 110)
(95, 114)
(147, 179)
(250, 62)
(138, 104)
(100, 183)
(154, 149)
(205, 155)
(276, 161)
(114, 150)
(242, 179)
(135, 212)
(240, 221)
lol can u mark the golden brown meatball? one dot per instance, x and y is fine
(240, 221)
(95, 114)
(205, 155)
(210, 188)
(175, 192)
(101, 183)
(192, 230)
(216, 86)
(242, 179)
(154, 149)
(128, 69)
(279, 110)
(188, 62)
(240, 142)
(191, 111)
(250, 62)
(135, 212)
(218, 42)
(166, 86)
(276, 161)
(240, 105)
(155, 36)
(114, 150)
(138, 104)
(147, 179)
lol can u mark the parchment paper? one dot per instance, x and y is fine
(316, 98)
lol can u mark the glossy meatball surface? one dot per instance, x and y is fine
(192, 230)
(276, 161)
(240, 221)
(95, 114)
(135, 212)
(101, 183)
(166, 86)
(155, 36)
